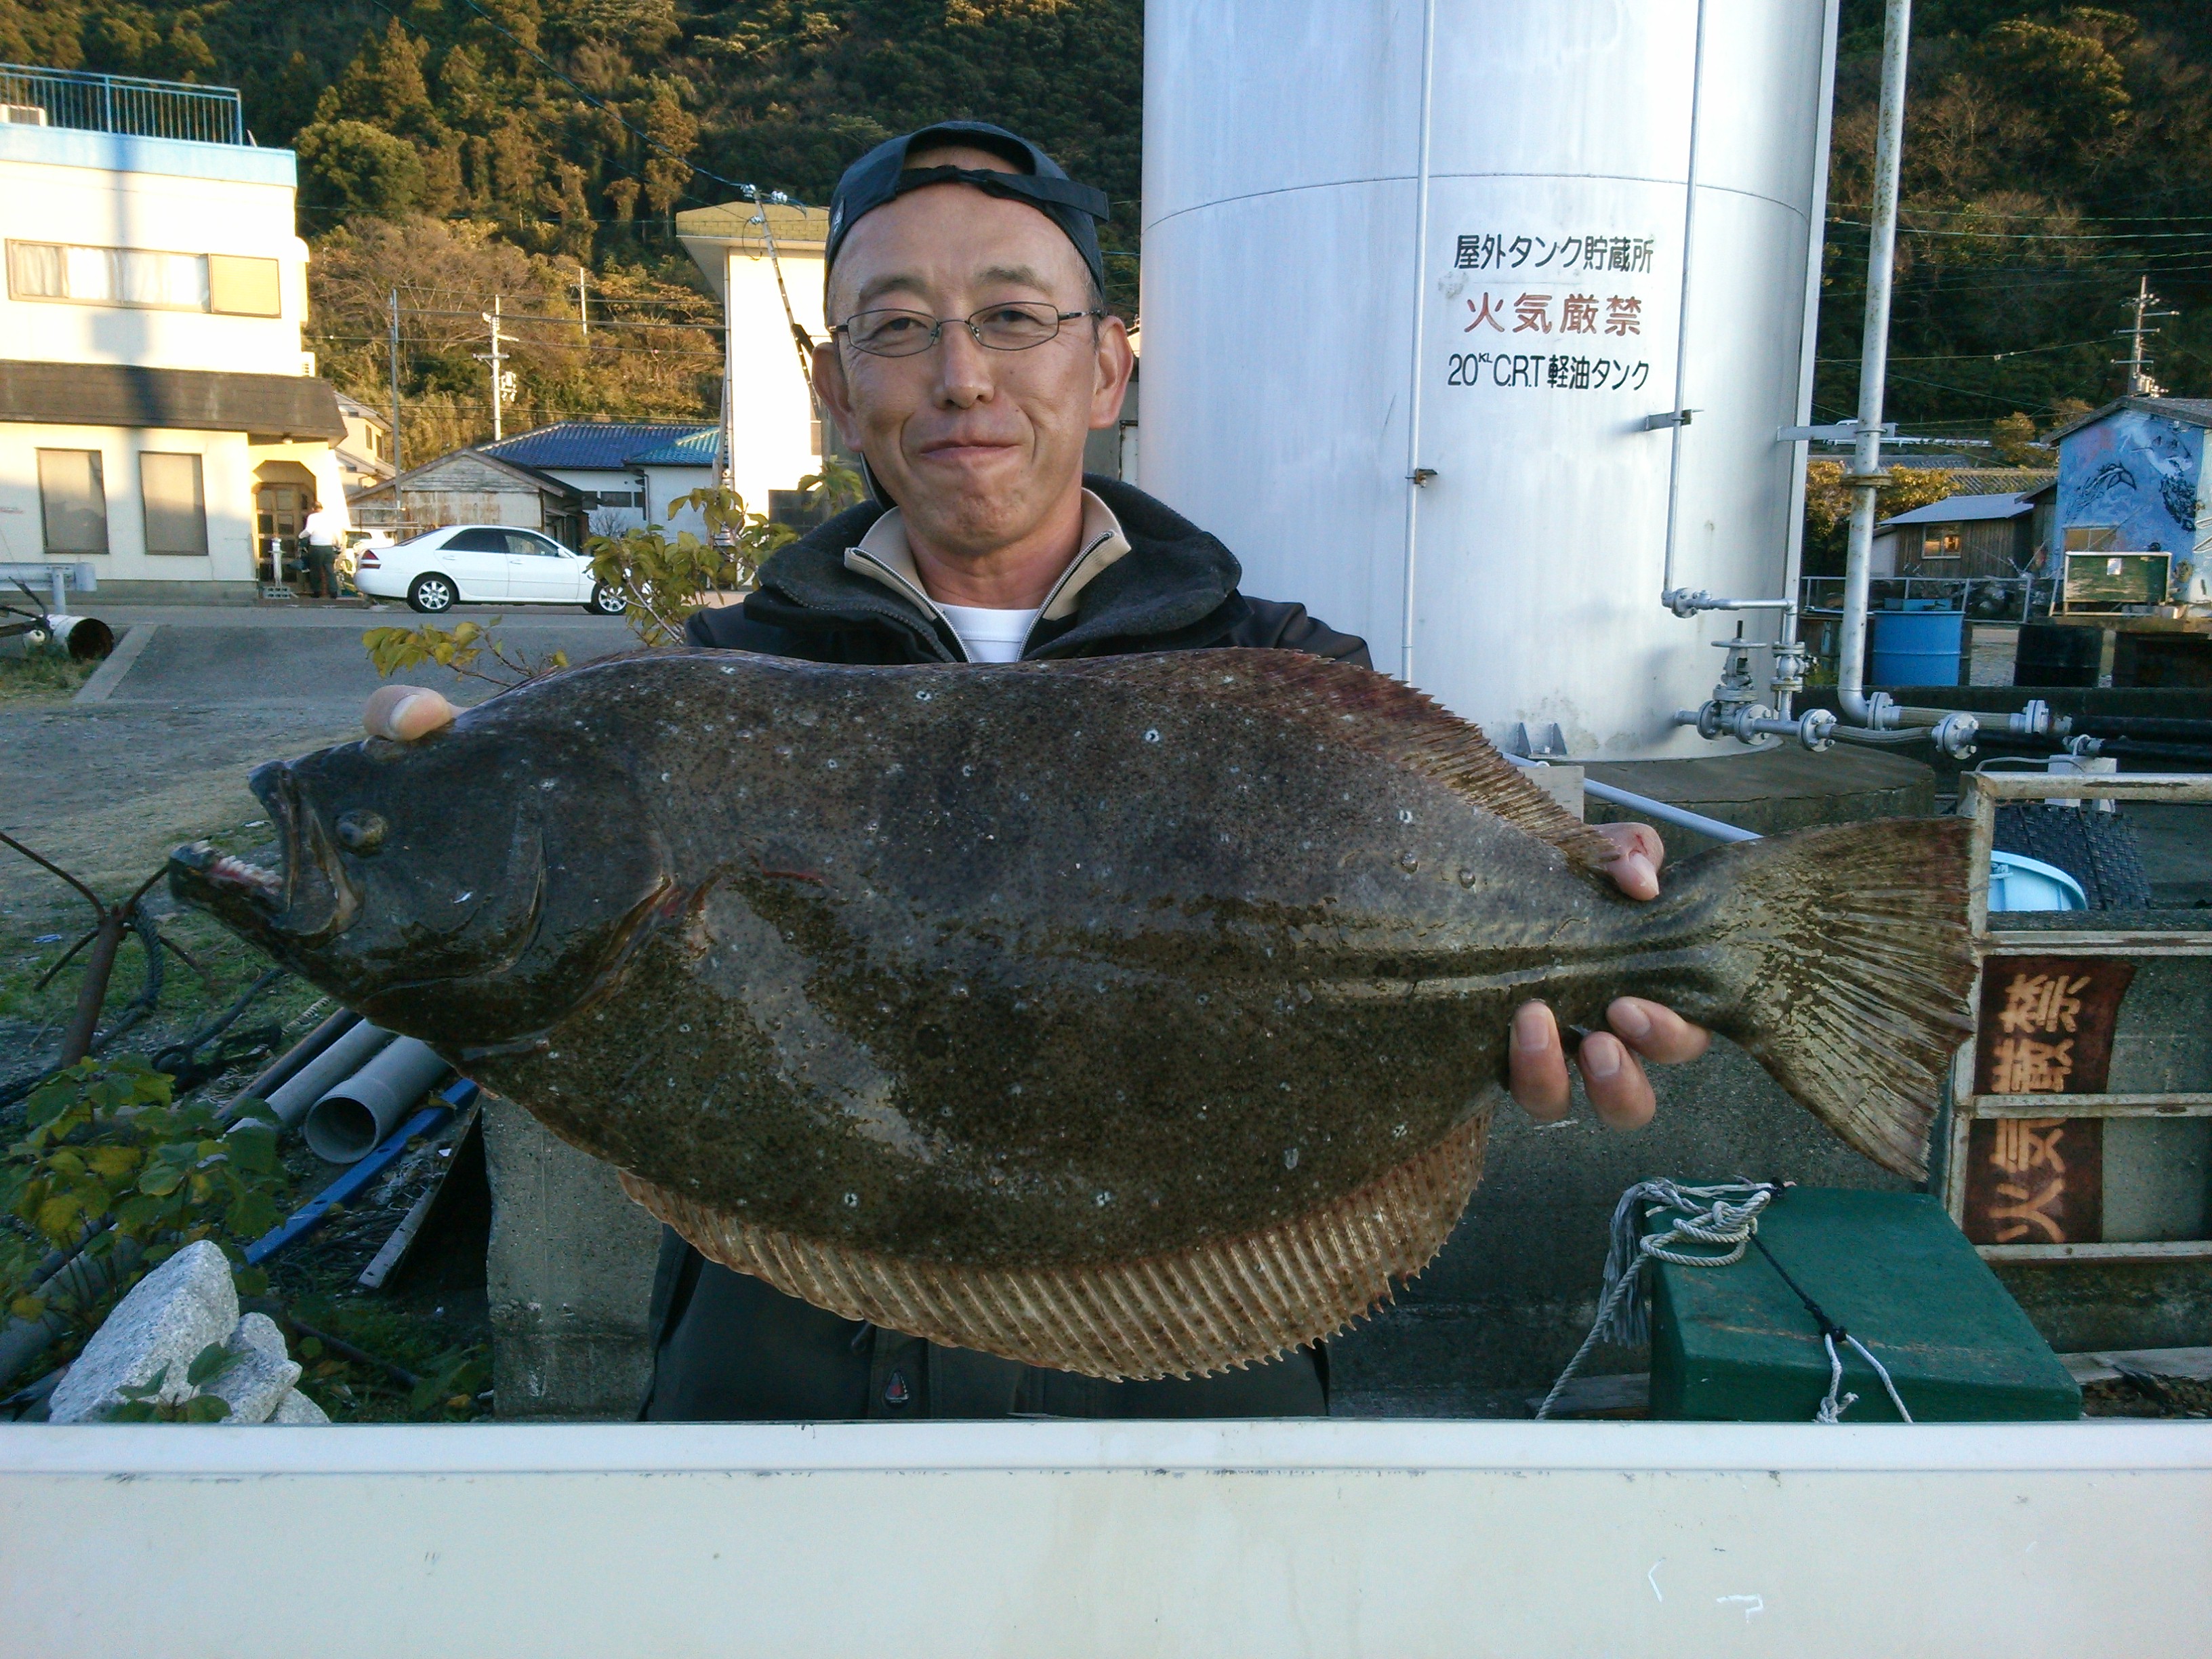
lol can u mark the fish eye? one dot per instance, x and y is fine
(363, 831)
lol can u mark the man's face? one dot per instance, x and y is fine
(980, 447)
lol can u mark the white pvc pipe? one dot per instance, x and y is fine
(291, 1101)
(346, 1125)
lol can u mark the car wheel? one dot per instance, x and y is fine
(605, 601)
(431, 594)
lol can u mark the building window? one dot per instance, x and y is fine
(176, 507)
(73, 499)
(2092, 538)
(1945, 543)
(144, 279)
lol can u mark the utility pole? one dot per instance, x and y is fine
(2140, 384)
(398, 466)
(583, 303)
(497, 358)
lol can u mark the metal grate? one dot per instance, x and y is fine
(126, 103)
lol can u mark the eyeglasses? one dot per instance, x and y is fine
(1014, 326)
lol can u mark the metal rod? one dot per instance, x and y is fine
(399, 464)
(1417, 475)
(1682, 319)
(1675, 814)
(1874, 365)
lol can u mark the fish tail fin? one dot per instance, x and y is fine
(1858, 971)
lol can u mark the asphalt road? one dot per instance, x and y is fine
(156, 748)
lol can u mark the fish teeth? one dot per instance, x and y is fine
(238, 871)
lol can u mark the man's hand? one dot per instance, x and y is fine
(1612, 1072)
(405, 713)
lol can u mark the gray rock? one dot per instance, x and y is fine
(253, 1384)
(258, 1331)
(295, 1410)
(178, 1309)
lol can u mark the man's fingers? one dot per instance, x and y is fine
(1614, 1078)
(405, 713)
(1635, 866)
(1656, 1031)
(1536, 1065)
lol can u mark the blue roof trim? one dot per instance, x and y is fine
(178, 158)
(606, 445)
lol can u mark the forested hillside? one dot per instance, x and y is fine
(454, 149)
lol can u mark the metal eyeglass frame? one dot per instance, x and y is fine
(936, 329)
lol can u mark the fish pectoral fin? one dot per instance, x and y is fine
(1348, 704)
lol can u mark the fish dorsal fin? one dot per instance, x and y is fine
(1353, 705)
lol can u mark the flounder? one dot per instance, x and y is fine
(1137, 1017)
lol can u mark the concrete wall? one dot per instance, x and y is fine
(569, 1276)
(227, 478)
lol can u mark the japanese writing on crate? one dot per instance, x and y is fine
(1590, 251)
(2031, 1057)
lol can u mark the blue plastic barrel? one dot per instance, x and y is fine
(2026, 883)
(1917, 648)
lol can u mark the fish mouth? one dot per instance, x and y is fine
(308, 899)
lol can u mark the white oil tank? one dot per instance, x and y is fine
(1496, 248)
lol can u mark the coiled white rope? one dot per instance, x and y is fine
(1722, 1217)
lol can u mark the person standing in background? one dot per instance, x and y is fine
(318, 551)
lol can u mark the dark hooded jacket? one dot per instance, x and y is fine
(728, 1347)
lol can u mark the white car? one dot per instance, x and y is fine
(482, 564)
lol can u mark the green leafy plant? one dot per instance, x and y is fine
(109, 1159)
(144, 1404)
(663, 580)
(461, 648)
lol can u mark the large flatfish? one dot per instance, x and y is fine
(1137, 1017)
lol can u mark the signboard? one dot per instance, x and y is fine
(2045, 1028)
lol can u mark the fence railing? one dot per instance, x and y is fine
(1988, 599)
(126, 103)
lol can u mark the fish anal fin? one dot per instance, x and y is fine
(1357, 706)
(1219, 1304)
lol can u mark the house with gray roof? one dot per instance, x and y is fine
(1977, 536)
(627, 471)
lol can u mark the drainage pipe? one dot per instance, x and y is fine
(293, 1100)
(1866, 477)
(286, 1065)
(348, 1122)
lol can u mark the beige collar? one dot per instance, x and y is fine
(883, 555)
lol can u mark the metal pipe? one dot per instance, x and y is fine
(1677, 815)
(1866, 476)
(1682, 319)
(1418, 476)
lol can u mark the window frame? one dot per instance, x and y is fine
(207, 307)
(199, 502)
(46, 508)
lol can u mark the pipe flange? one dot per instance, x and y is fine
(1954, 735)
(1817, 730)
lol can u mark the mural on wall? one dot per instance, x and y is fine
(2137, 472)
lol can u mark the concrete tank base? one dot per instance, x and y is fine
(1504, 1306)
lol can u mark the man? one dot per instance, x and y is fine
(971, 353)
(318, 551)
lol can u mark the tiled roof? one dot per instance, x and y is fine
(607, 446)
(693, 449)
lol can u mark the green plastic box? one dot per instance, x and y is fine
(1734, 1344)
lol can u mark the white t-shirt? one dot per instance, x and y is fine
(990, 635)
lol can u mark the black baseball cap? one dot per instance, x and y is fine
(882, 175)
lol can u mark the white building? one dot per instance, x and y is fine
(774, 438)
(365, 452)
(158, 418)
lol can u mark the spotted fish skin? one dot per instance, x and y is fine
(1045, 967)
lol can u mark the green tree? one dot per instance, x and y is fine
(358, 169)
